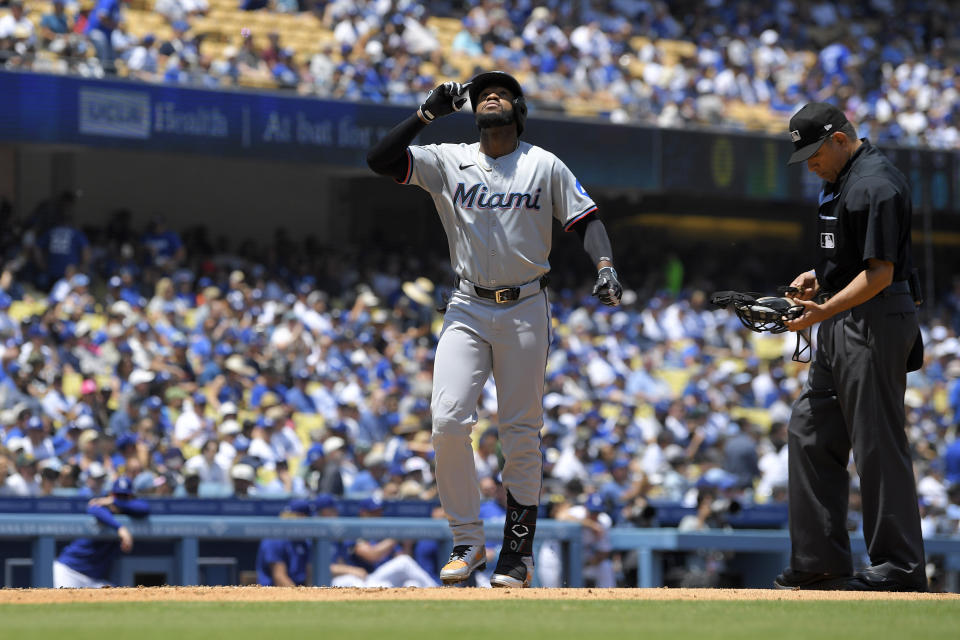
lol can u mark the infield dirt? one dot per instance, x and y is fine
(330, 594)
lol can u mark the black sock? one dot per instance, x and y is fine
(519, 527)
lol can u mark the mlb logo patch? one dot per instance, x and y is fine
(826, 241)
(795, 135)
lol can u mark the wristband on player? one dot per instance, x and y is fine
(612, 271)
(423, 116)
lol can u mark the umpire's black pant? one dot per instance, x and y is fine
(853, 398)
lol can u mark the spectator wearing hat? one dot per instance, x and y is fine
(237, 379)
(138, 383)
(318, 478)
(371, 476)
(260, 445)
(623, 486)
(127, 454)
(282, 562)
(193, 427)
(228, 431)
(37, 350)
(94, 401)
(282, 433)
(94, 479)
(49, 475)
(244, 478)
(154, 409)
(143, 62)
(25, 482)
(85, 563)
(36, 442)
(178, 363)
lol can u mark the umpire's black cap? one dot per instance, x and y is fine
(810, 126)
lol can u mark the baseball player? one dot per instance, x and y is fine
(85, 563)
(282, 562)
(497, 200)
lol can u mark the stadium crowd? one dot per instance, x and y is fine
(893, 65)
(290, 370)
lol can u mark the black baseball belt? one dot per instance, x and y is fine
(504, 295)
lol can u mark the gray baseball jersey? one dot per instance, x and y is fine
(498, 212)
(498, 215)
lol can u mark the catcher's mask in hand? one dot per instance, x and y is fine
(764, 314)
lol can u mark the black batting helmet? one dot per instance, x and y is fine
(483, 80)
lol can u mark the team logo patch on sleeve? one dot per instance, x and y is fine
(826, 241)
(582, 191)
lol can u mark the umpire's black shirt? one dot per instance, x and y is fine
(865, 214)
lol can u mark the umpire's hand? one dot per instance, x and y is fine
(608, 288)
(444, 100)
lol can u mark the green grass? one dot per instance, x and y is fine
(504, 620)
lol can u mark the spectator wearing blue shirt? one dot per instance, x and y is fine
(104, 18)
(60, 247)
(296, 396)
(371, 476)
(270, 384)
(282, 562)
(85, 563)
(56, 23)
(164, 245)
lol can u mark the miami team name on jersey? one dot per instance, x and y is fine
(464, 197)
(466, 186)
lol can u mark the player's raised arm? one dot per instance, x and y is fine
(388, 157)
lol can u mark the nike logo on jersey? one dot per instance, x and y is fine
(464, 166)
(825, 198)
(477, 195)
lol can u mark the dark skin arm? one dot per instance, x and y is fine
(875, 278)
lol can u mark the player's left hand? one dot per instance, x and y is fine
(608, 288)
(812, 314)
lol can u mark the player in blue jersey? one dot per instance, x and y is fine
(85, 563)
(282, 562)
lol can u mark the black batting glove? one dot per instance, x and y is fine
(444, 100)
(608, 288)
